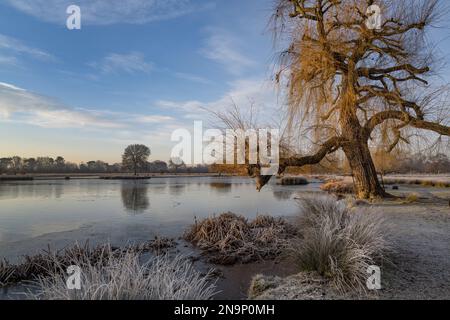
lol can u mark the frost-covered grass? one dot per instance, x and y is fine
(46, 261)
(124, 277)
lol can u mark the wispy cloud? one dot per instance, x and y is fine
(153, 119)
(8, 60)
(20, 105)
(133, 62)
(244, 93)
(191, 106)
(23, 106)
(97, 128)
(224, 48)
(15, 46)
(192, 77)
(103, 12)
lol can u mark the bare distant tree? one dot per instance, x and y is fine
(135, 157)
(349, 83)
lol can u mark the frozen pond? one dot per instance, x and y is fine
(36, 213)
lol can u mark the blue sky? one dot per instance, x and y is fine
(137, 70)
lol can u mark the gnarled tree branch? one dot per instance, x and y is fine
(382, 116)
(330, 146)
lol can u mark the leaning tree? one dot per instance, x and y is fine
(351, 82)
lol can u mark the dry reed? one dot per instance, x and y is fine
(338, 187)
(229, 238)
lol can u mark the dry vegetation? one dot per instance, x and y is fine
(46, 262)
(298, 181)
(411, 198)
(420, 182)
(229, 238)
(122, 277)
(337, 242)
(339, 187)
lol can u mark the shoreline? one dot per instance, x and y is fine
(108, 176)
(426, 179)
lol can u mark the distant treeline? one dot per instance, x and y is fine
(386, 163)
(18, 165)
(405, 163)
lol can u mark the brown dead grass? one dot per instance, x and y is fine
(421, 182)
(338, 187)
(412, 198)
(229, 238)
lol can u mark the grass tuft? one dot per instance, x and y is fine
(411, 198)
(123, 277)
(45, 262)
(337, 242)
(339, 187)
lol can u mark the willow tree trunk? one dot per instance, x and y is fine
(358, 155)
(363, 169)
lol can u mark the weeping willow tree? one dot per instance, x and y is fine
(354, 84)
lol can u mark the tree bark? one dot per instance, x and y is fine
(358, 154)
(365, 177)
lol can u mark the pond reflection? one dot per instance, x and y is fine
(177, 189)
(220, 187)
(282, 194)
(135, 196)
(28, 190)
